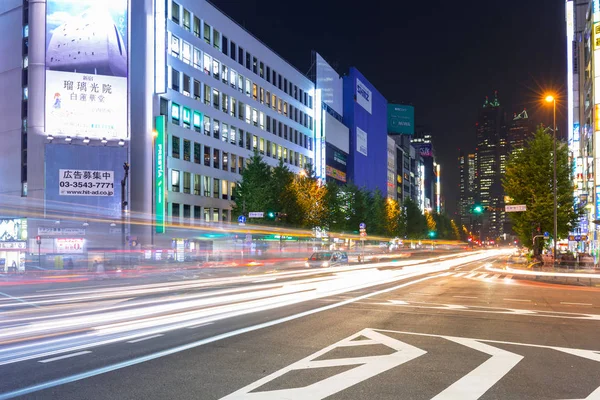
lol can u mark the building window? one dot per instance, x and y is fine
(274, 80)
(262, 96)
(197, 151)
(268, 74)
(216, 67)
(186, 19)
(225, 133)
(216, 159)
(279, 82)
(206, 125)
(261, 146)
(241, 55)
(175, 46)
(216, 194)
(233, 163)
(175, 212)
(207, 33)
(285, 85)
(187, 213)
(186, 55)
(233, 107)
(174, 180)
(261, 70)
(261, 120)
(216, 129)
(241, 83)
(224, 74)
(197, 213)
(232, 135)
(224, 194)
(225, 161)
(206, 156)
(216, 39)
(25, 93)
(232, 78)
(196, 190)
(241, 109)
(285, 108)
(295, 92)
(248, 140)
(254, 142)
(197, 59)
(248, 60)
(274, 101)
(207, 93)
(186, 150)
(197, 90)
(248, 86)
(175, 144)
(25, 61)
(254, 65)
(225, 43)
(225, 103)
(247, 113)
(207, 63)
(232, 50)
(175, 12)
(187, 180)
(175, 113)
(174, 79)
(240, 138)
(273, 150)
(254, 91)
(196, 26)
(186, 85)
(215, 98)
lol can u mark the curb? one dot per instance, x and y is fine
(575, 279)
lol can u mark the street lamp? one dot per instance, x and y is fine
(552, 99)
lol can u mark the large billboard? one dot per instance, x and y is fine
(331, 85)
(401, 119)
(336, 163)
(86, 68)
(84, 179)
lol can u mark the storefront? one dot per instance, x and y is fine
(13, 244)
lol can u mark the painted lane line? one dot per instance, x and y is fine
(178, 349)
(575, 304)
(496, 276)
(19, 300)
(264, 280)
(466, 297)
(80, 353)
(482, 276)
(472, 274)
(508, 277)
(523, 300)
(145, 338)
(459, 274)
(473, 385)
(200, 325)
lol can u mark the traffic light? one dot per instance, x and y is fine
(478, 209)
(271, 215)
(431, 234)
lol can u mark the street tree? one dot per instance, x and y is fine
(254, 191)
(416, 224)
(528, 180)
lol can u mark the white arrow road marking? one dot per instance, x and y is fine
(481, 379)
(366, 367)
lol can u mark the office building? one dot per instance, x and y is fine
(76, 108)
(431, 170)
(520, 130)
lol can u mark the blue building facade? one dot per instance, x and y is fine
(365, 114)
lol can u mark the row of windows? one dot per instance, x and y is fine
(201, 185)
(189, 119)
(219, 71)
(206, 214)
(202, 154)
(213, 37)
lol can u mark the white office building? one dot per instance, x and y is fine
(84, 83)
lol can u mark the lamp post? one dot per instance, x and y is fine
(552, 99)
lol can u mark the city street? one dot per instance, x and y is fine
(442, 329)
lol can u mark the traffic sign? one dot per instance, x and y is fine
(256, 214)
(362, 225)
(241, 220)
(363, 234)
(546, 235)
(516, 208)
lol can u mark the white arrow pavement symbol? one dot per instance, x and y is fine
(481, 379)
(366, 367)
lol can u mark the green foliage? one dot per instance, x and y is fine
(306, 203)
(528, 180)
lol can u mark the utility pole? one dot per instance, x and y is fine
(124, 203)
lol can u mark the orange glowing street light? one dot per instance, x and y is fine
(551, 99)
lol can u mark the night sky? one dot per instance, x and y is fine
(443, 57)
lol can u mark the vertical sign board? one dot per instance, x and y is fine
(86, 68)
(159, 174)
(400, 119)
(363, 96)
(361, 141)
(160, 49)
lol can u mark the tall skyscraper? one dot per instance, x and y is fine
(431, 188)
(491, 165)
(519, 131)
(466, 165)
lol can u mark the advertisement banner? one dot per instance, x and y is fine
(51, 231)
(363, 96)
(336, 174)
(13, 229)
(425, 150)
(70, 246)
(159, 173)
(361, 141)
(84, 179)
(86, 68)
(78, 182)
(401, 119)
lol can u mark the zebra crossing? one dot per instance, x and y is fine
(482, 276)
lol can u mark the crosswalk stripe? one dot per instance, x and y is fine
(459, 274)
(483, 276)
(497, 276)
(471, 275)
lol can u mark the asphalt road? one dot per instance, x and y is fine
(440, 330)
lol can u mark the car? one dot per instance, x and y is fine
(327, 259)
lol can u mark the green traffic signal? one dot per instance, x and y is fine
(432, 234)
(271, 214)
(478, 209)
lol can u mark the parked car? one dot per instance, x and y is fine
(327, 259)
